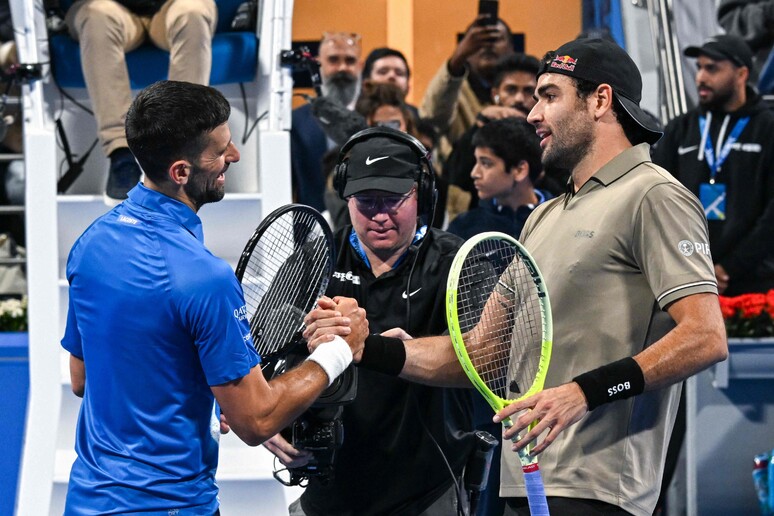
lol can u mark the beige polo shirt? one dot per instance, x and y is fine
(614, 255)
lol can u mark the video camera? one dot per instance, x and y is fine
(320, 429)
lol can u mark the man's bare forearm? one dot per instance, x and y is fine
(432, 361)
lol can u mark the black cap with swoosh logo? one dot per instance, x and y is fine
(381, 163)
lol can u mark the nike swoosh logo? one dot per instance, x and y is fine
(686, 150)
(411, 294)
(370, 161)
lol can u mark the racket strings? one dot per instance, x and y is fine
(500, 310)
(285, 274)
(276, 326)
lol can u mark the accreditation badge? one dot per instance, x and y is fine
(713, 200)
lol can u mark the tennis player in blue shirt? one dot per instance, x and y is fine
(156, 328)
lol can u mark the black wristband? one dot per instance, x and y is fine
(384, 355)
(615, 381)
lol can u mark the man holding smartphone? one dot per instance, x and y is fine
(462, 85)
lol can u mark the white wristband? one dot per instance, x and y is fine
(333, 357)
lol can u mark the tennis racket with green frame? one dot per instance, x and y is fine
(499, 319)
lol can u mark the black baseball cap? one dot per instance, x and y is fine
(604, 62)
(381, 163)
(724, 47)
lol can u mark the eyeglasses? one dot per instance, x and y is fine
(394, 124)
(379, 203)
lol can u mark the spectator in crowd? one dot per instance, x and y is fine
(462, 86)
(339, 57)
(507, 164)
(389, 65)
(753, 21)
(398, 436)
(512, 93)
(383, 104)
(106, 30)
(722, 152)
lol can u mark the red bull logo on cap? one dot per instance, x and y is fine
(564, 63)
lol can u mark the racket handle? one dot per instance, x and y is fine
(536, 493)
(533, 481)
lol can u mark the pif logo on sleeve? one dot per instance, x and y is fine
(687, 248)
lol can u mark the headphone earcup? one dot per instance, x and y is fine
(340, 178)
(426, 192)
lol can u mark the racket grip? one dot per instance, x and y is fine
(536, 493)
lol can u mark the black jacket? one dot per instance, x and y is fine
(388, 464)
(743, 243)
(489, 216)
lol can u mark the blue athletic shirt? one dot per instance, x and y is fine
(157, 320)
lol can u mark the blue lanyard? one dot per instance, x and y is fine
(355, 243)
(709, 149)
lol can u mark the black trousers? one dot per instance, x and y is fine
(559, 506)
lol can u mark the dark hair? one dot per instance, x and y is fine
(379, 53)
(513, 140)
(377, 94)
(425, 127)
(515, 63)
(170, 120)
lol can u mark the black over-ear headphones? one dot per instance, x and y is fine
(424, 176)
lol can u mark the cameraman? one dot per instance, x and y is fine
(396, 268)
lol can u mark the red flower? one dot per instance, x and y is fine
(748, 315)
(752, 305)
(770, 303)
(727, 306)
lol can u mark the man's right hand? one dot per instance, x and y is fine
(500, 112)
(338, 316)
(358, 324)
(290, 457)
(476, 38)
(722, 277)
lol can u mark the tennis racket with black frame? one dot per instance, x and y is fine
(499, 319)
(284, 269)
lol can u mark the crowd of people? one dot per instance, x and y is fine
(637, 229)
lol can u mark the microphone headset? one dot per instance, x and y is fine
(424, 176)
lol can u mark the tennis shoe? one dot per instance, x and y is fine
(123, 175)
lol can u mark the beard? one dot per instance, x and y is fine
(566, 153)
(341, 87)
(203, 187)
(718, 99)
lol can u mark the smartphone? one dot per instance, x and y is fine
(488, 8)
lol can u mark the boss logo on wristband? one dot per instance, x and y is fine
(620, 388)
